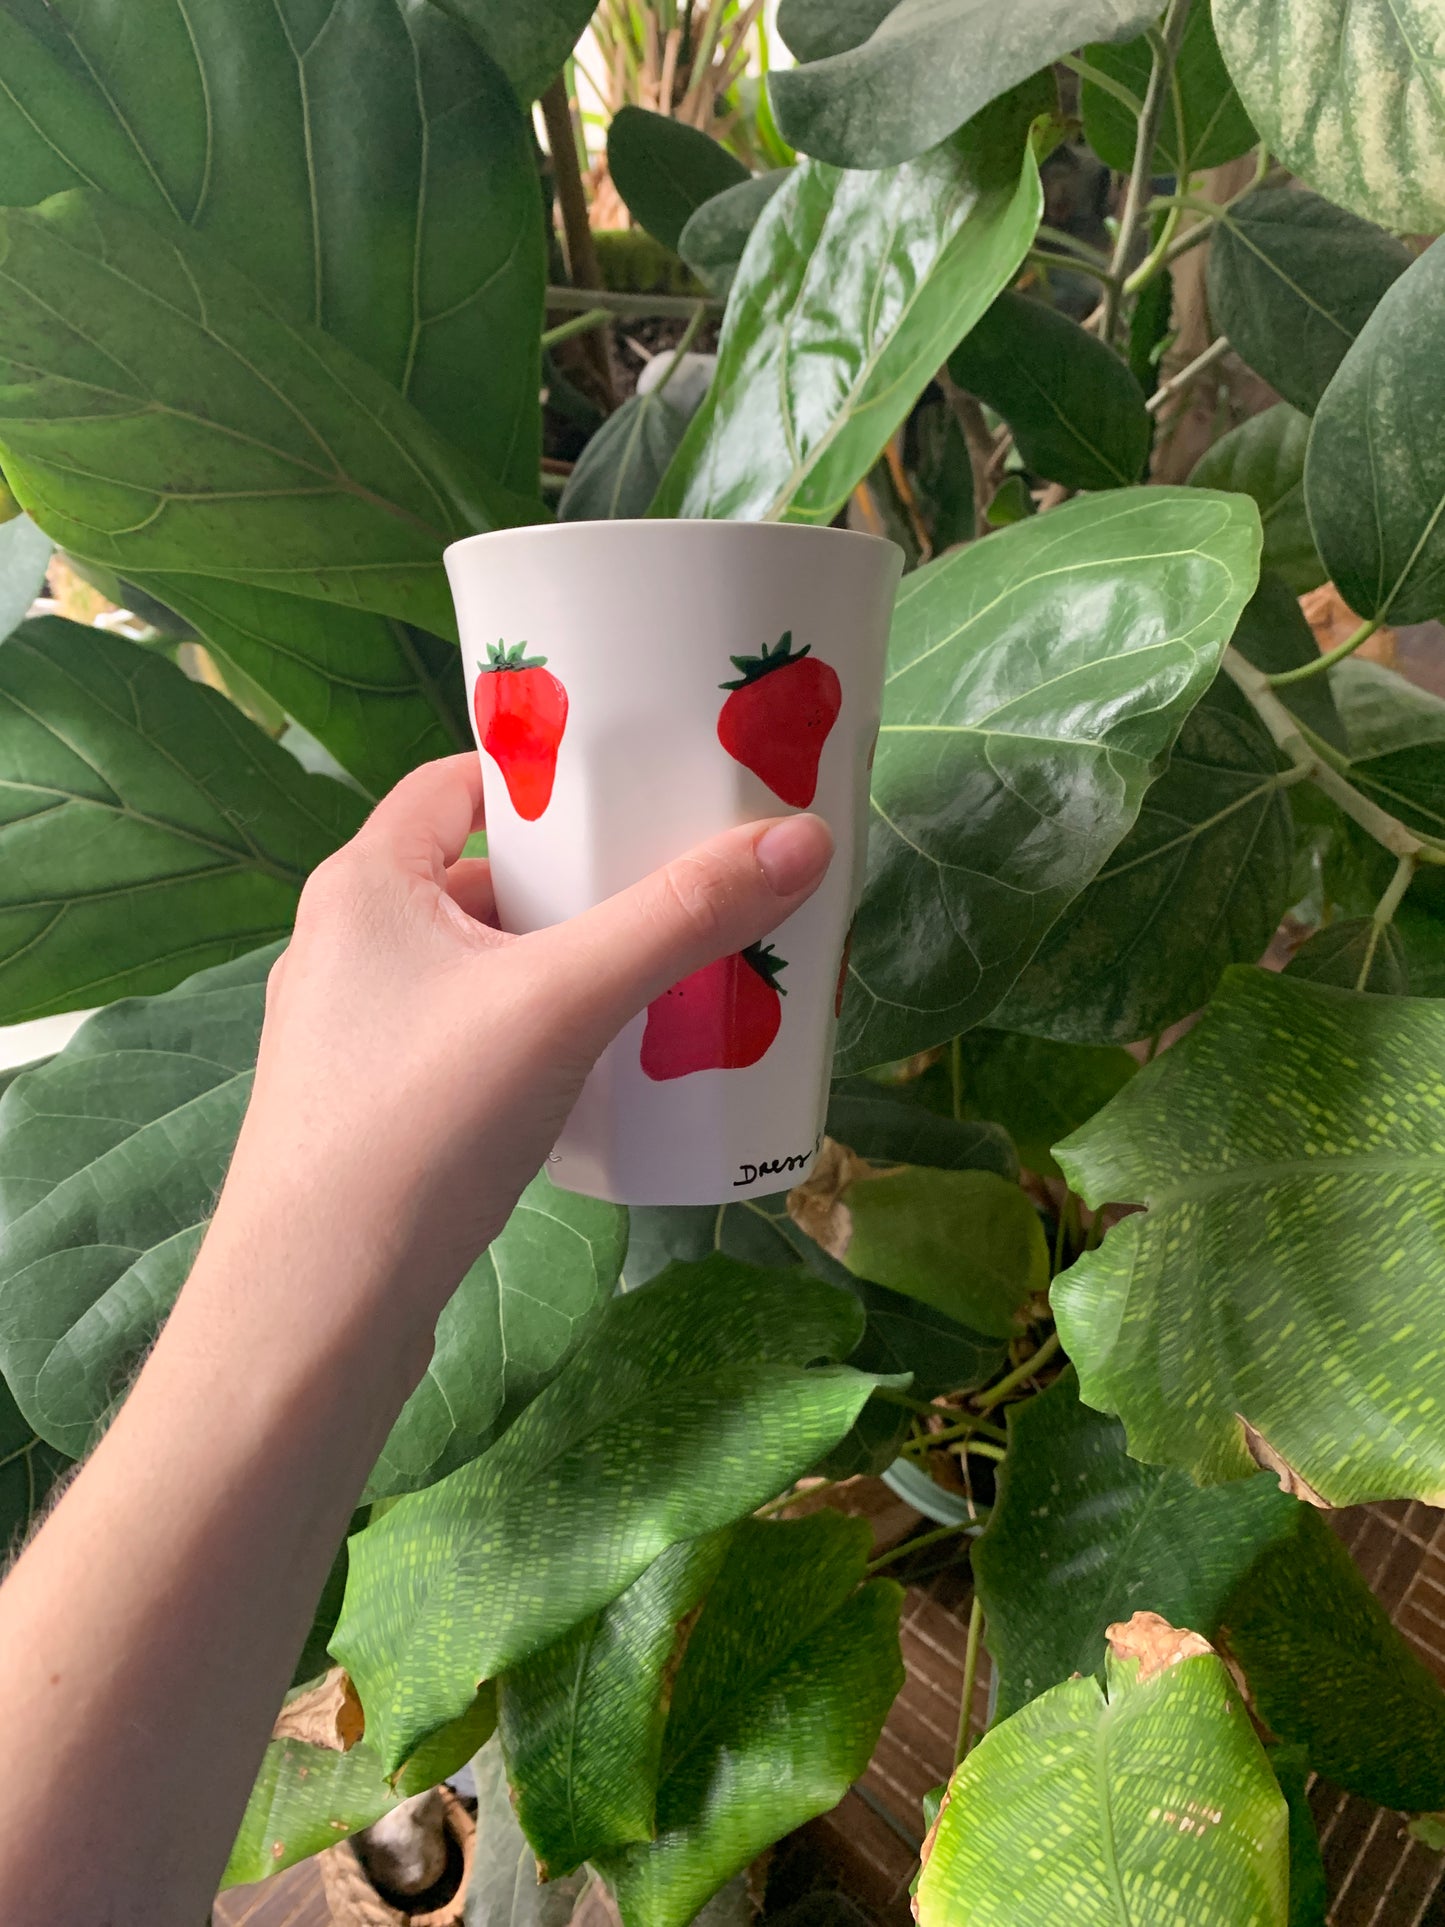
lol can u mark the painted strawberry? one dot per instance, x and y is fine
(778, 717)
(521, 713)
(721, 1018)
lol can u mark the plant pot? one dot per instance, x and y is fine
(353, 1899)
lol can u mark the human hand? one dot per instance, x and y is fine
(417, 1065)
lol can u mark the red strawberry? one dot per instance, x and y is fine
(721, 1018)
(521, 714)
(779, 716)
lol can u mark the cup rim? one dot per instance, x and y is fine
(666, 524)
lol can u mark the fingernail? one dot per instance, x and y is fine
(793, 854)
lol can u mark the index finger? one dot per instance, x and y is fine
(423, 824)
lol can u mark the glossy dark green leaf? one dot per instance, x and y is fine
(690, 1404)
(713, 241)
(421, 247)
(582, 1723)
(1036, 681)
(666, 170)
(1149, 1799)
(529, 43)
(1204, 123)
(783, 1689)
(1228, 1323)
(1354, 954)
(1199, 883)
(28, 1469)
(926, 68)
(1077, 414)
(147, 828)
(512, 1323)
(1396, 734)
(1347, 93)
(1037, 1089)
(380, 696)
(264, 450)
(1265, 458)
(24, 554)
(1308, 1891)
(852, 291)
(1292, 281)
(621, 468)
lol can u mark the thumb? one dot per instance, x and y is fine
(610, 962)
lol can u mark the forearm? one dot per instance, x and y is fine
(148, 1634)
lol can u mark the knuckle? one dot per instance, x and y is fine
(331, 892)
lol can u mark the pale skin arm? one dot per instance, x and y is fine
(415, 1068)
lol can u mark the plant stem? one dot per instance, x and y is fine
(630, 307)
(1385, 914)
(996, 1394)
(1070, 263)
(1190, 372)
(985, 1449)
(689, 336)
(970, 1677)
(582, 263)
(579, 325)
(1166, 51)
(1096, 77)
(916, 1545)
(966, 1427)
(1330, 656)
(1157, 255)
(955, 1072)
(1071, 242)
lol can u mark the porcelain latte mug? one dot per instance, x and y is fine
(635, 688)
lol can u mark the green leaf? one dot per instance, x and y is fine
(966, 1242)
(1150, 1799)
(1204, 124)
(264, 451)
(306, 1798)
(1308, 1892)
(1274, 635)
(1352, 948)
(1292, 281)
(620, 470)
(520, 1312)
(1396, 731)
(891, 1130)
(24, 557)
(929, 66)
(713, 241)
(1037, 1089)
(665, 170)
(817, 368)
(380, 696)
(1348, 94)
(940, 473)
(1375, 474)
(582, 1722)
(28, 1469)
(529, 43)
(420, 247)
(1265, 458)
(690, 1404)
(814, 29)
(148, 829)
(1226, 1324)
(1199, 883)
(1077, 414)
(503, 1890)
(1036, 681)
(783, 1689)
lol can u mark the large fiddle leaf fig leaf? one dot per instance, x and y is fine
(1082, 1535)
(582, 1723)
(1375, 471)
(666, 170)
(28, 1469)
(529, 43)
(1036, 683)
(1349, 94)
(925, 67)
(1077, 414)
(111, 1156)
(1273, 1303)
(1292, 281)
(784, 1685)
(689, 1405)
(1265, 458)
(1199, 883)
(853, 288)
(364, 163)
(517, 1316)
(1204, 122)
(1037, 1089)
(147, 828)
(24, 553)
(252, 446)
(381, 696)
(1147, 1799)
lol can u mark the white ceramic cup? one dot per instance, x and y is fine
(598, 658)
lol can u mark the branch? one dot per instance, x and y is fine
(629, 307)
(970, 418)
(1330, 656)
(1166, 51)
(1216, 351)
